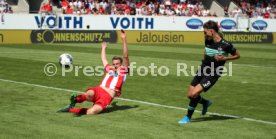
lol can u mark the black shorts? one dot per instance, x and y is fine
(205, 81)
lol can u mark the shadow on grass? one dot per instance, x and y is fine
(212, 118)
(114, 107)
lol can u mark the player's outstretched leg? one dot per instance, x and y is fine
(85, 111)
(77, 99)
(94, 110)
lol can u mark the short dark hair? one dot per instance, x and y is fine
(117, 58)
(211, 25)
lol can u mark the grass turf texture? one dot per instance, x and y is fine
(29, 112)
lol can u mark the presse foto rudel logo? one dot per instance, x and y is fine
(135, 69)
(72, 36)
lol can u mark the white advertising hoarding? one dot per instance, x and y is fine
(104, 22)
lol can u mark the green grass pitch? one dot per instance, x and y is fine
(29, 111)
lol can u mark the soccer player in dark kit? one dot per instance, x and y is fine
(216, 54)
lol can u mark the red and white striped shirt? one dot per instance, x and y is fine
(114, 80)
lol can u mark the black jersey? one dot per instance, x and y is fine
(213, 49)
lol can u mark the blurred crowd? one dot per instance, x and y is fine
(132, 7)
(249, 8)
(256, 8)
(5, 7)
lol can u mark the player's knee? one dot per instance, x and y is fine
(94, 110)
(189, 95)
(190, 91)
(91, 112)
(89, 94)
(192, 95)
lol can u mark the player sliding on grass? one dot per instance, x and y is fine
(216, 54)
(110, 86)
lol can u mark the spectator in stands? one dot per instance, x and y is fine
(248, 12)
(46, 7)
(108, 8)
(254, 13)
(64, 4)
(168, 11)
(205, 12)
(178, 10)
(167, 3)
(8, 9)
(101, 10)
(138, 8)
(162, 9)
(2, 11)
(3, 3)
(1, 8)
(94, 10)
(226, 14)
(133, 10)
(200, 6)
(243, 5)
(69, 10)
(266, 14)
(190, 12)
(236, 13)
(126, 9)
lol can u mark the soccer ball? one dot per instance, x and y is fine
(65, 60)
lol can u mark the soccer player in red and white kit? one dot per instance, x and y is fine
(110, 86)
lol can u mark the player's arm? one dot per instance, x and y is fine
(103, 54)
(125, 53)
(235, 55)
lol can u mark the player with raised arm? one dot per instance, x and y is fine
(110, 86)
(216, 54)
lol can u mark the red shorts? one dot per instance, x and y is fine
(101, 97)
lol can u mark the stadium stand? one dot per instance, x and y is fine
(258, 8)
(210, 8)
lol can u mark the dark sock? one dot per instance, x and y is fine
(202, 101)
(192, 105)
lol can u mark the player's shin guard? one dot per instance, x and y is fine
(80, 111)
(192, 105)
(81, 98)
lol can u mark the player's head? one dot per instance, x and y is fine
(210, 29)
(117, 61)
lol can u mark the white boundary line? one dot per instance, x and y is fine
(142, 102)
